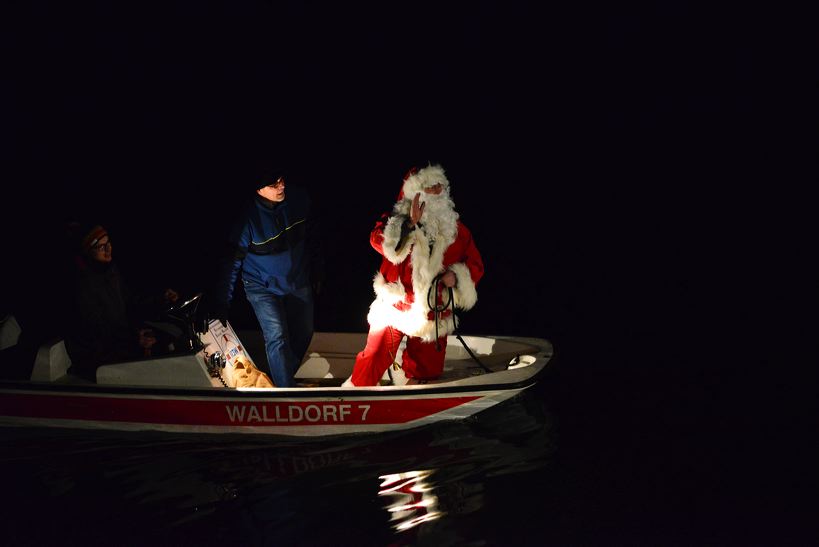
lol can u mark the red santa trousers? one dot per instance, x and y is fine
(421, 360)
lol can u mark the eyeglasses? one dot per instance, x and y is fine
(101, 246)
(279, 183)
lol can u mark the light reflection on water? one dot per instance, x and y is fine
(413, 487)
(412, 500)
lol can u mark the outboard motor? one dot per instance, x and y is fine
(184, 316)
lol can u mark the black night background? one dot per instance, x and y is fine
(609, 160)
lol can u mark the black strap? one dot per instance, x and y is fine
(432, 302)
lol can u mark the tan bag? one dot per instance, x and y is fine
(245, 374)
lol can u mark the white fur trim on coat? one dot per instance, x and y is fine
(466, 296)
(392, 235)
(389, 293)
(413, 321)
(426, 264)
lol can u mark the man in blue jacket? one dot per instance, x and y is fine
(276, 251)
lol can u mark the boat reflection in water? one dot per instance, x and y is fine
(433, 482)
(413, 502)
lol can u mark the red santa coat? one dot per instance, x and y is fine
(406, 274)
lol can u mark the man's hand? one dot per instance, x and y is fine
(146, 338)
(449, 279)
(220, 312)
(417, 210)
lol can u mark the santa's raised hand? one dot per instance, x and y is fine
(417, 210)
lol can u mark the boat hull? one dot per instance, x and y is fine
(179, 394)
(305, 416)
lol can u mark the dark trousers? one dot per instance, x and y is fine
(287, 327)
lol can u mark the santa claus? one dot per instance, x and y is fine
(426, 252)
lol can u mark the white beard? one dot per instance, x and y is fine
(439, 218)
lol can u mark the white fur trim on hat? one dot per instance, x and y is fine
(424, 178)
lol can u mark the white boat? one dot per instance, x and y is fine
(194, 390)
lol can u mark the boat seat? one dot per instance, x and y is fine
(52, 361)
(9, 332)
(181, 370)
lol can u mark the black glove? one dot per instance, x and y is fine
(219, 311)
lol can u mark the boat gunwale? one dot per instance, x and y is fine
(544, 354)
(276, 393)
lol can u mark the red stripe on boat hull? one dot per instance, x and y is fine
(197, 412)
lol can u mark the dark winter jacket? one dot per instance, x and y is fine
(274, 244)
(105, 318)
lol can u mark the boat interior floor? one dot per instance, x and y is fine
(340, 349)
(454, 370)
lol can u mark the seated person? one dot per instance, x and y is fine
(106, 320)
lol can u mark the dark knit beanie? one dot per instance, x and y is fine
(85, 236)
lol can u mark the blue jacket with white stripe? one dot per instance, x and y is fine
(275, 244)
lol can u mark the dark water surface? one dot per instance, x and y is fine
(569, 462)
(471, 481)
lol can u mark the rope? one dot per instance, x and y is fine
(432, 302)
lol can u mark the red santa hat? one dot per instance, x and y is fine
(417, 179)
